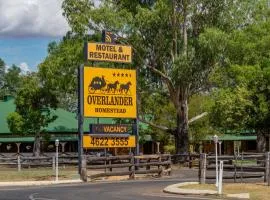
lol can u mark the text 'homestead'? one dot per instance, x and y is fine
(109, 52)
(109, 92)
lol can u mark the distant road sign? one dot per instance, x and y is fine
(108, 142)
(108, 52)
(109, 92)
(108, 37)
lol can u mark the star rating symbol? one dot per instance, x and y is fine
(121, 75)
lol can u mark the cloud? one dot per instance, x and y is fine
(6, 68)
(20, 18)
(24, 67)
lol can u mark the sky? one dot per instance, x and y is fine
(26, 28)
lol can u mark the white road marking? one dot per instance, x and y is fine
(31, 197)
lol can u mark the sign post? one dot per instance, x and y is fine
(80, 117)
(107, 92)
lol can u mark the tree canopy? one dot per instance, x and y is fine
(242, 100)
(33, 110)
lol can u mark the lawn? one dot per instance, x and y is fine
(257, 191)
(37, 174)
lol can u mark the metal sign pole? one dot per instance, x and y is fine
(137, 116)
(80, 116)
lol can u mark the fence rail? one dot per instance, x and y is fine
(160, 164)
(241, 166)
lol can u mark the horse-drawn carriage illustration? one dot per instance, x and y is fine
(97, 83)
(100, 84)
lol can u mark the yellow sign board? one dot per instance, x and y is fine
(108, 142)
(109, 52)
(109, 93)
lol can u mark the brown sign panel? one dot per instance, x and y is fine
(109, 128)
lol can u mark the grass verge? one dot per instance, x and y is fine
(37, 174)
(257, 191)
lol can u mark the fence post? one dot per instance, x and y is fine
(110, 164)
(189, 161)
(242, 158)
(160, 167)
(19, 163)
(266, 171)
(148, 166)
(84, 169)
(220, 177)
(202, 168)
(169, 168)
(235, 161)
(53, 163)
(132, 167)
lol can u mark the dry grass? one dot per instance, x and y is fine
(257, 191)
(36, 174)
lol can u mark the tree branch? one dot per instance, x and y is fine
(163, 128)
(197, 117)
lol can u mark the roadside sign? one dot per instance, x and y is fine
(108, 142)
(108, 37)
(108, 52)
(110, 128)
(109, 92)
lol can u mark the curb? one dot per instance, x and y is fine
(33, 183)
(175, 189)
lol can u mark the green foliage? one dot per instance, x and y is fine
(242, 100)
(169, 148)
(15, 122)
(2, 76)
(33, 104)
(10, 81)
(59, 70)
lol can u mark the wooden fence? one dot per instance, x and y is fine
(160, 164)
(44, 161)
(129, 165)
(189, 160)
(241, 166)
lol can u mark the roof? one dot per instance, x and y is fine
(32, 139)
(65, 122)
(230, 137)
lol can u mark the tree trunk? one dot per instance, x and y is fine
(261, 141)
(181, 134)
(36, 149)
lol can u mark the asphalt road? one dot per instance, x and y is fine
(144, 189)
(150, 189)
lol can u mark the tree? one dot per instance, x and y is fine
(33, 110)
(242, 98)
(12, 80)
(179, 42)
(2, 75)
(59, 70)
